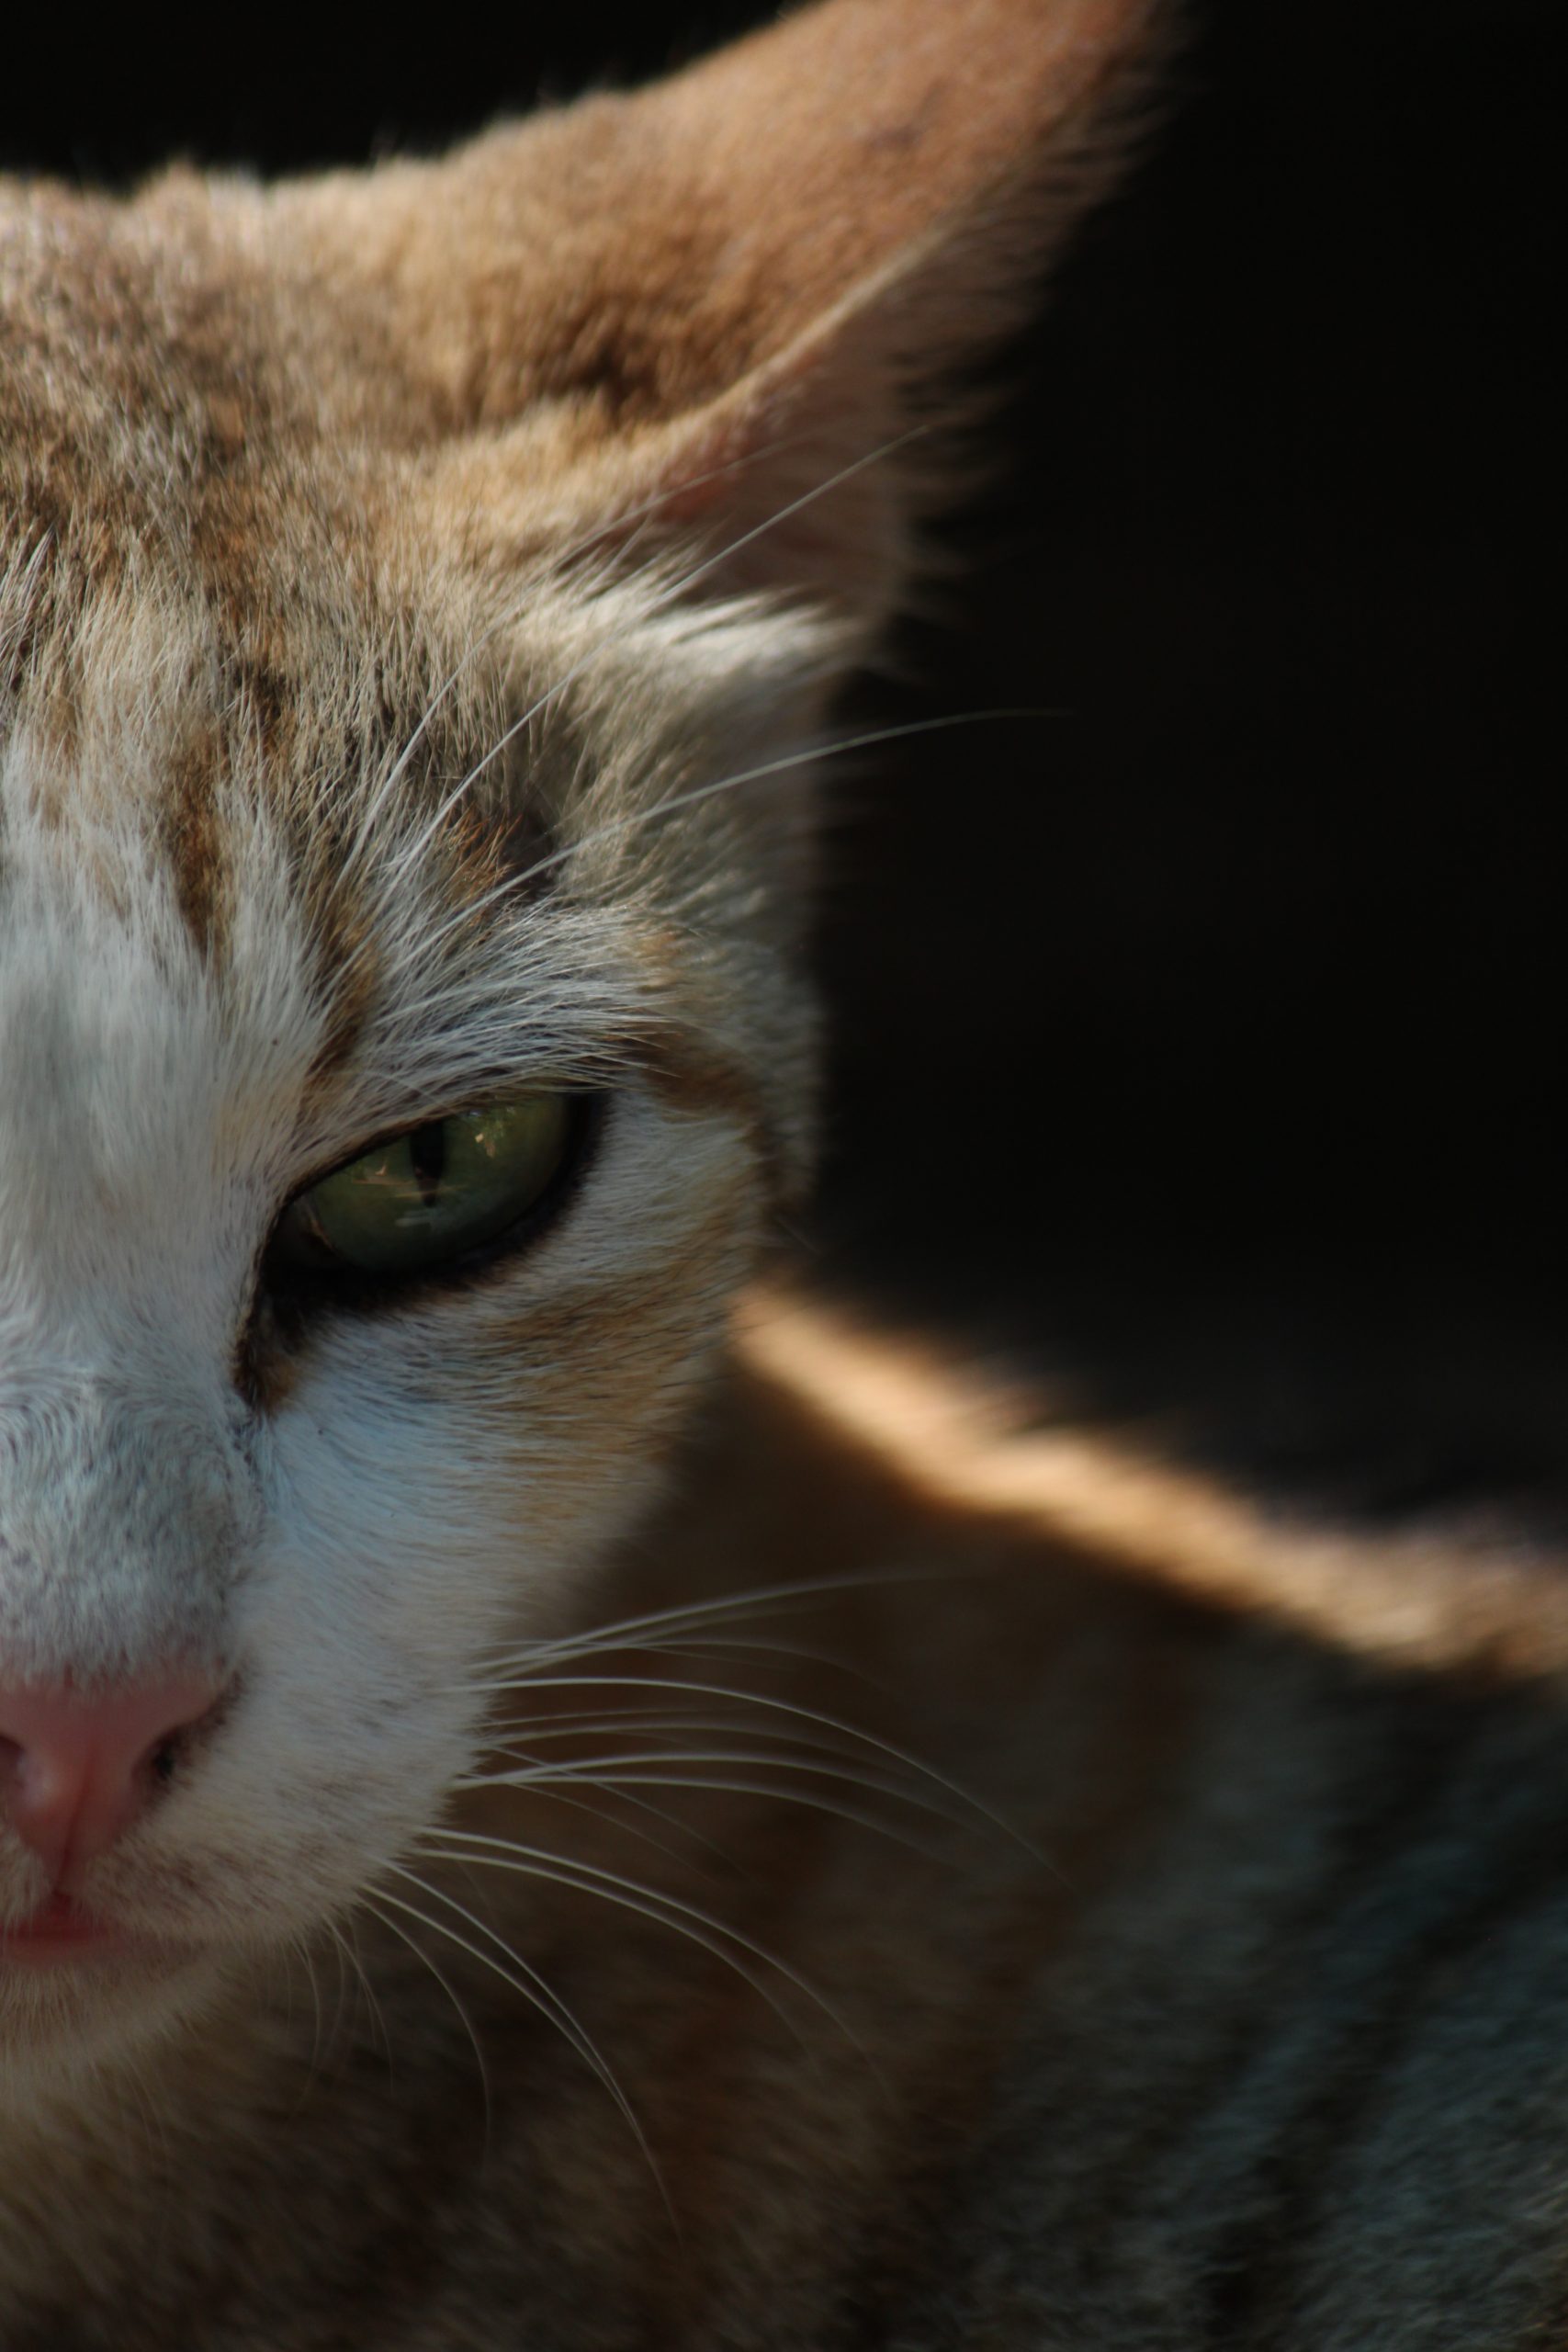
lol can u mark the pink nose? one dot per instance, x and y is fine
(76, 1769)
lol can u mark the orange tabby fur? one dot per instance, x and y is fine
(1000, 1894)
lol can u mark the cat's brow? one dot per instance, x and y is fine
(599, 1053)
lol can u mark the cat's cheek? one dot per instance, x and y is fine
(335, 1762)
(575, 1401)
(442, 1482)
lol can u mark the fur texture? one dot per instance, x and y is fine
(706, 1841)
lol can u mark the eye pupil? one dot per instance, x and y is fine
(427, 1158)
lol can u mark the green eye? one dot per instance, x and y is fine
(431, 1195)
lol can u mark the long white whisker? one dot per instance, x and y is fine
(804, 1714)
(560, 562)
(318, 2043)
(671, 593)
(638, 819)
(711, 1935)
(450, 1989)
(574, 1723)
(349, 1960)
(334, 2031)
(541, 1778)
(677, 589)
(721, 1645)
(698, 1647)
(811, 1751)
(735, 1646)
(615, 1768)
(533, 1989)
(624, 1629)
(639, 1777)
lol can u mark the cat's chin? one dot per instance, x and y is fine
(68, 2010)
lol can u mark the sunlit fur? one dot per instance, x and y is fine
(712, 1839)
(436, 1477)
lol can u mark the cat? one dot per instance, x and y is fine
(557, 1796)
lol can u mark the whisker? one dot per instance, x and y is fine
(560, 562)
(772, 1704)
(298, 1945)
(650, 1903)
(733, 1646)
(654, 1719)
(450, 1989)
(342, 1983)
(638, 819)
(349, 1960)
(812, 1751)
(699, 1649)
(729, 1604)
(536, 1991)
(540, 1777)
(671, 594)
(616, 1769)
(640, 1776)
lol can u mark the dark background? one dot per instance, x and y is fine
(1199, 1044)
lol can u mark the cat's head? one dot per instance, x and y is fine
(419, 593)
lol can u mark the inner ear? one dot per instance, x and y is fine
(796, 479)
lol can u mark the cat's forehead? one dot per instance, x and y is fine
(291, 850)
(183, 430)
(169, 756)
(206, 584)
(157, 352)
(254, 781)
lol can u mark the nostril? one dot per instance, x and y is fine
(76, 1769)
(163, 1756)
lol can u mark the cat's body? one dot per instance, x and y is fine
(1263, 2045)
(988, 1895)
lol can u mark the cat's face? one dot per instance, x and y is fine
(381, 717)
(239, 942)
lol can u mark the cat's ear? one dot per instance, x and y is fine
(728, 304)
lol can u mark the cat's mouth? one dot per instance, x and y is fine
(60, 1932)
(79, 1984)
